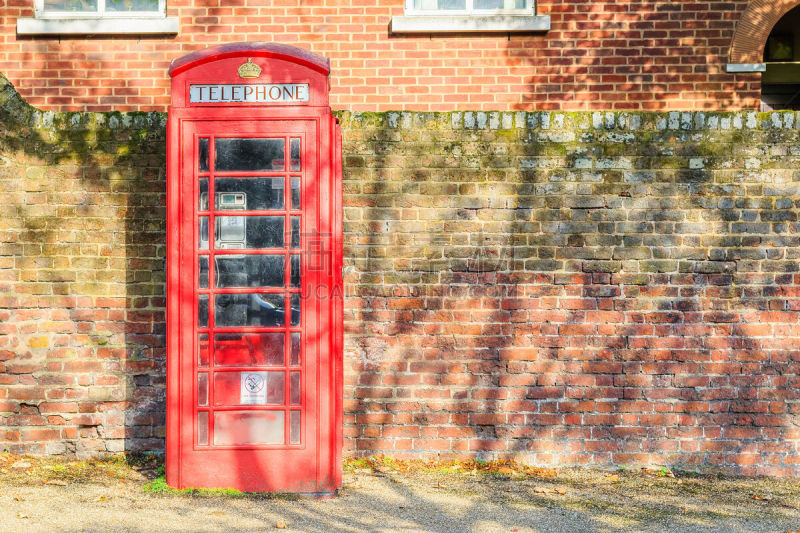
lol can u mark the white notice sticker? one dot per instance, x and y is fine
(254, 388)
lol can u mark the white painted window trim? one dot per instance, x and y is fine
(98, 26)
(470, 10)
(42, 13)
(746, 67)
(99, 22)
(470, 23)
(470, 20)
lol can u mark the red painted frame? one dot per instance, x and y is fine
(314, 466)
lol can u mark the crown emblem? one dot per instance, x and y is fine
(249, 69)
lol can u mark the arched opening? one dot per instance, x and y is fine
(780, 82)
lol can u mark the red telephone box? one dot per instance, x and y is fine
(254, 252)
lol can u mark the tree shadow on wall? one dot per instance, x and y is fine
(86, 215)
(625, 58)
(594, 288)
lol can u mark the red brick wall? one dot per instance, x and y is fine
(82, 248)
(592, 288)
(567, 288)
(598, 55)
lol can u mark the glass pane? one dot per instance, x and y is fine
(202, 349)
(202, 389)
(202, 427)
(203, 203)
(202, 263)
(249, 271)
(265, 310)
(248, 193)
(295, 309)
(295, 154)
(295, 193)
(499, 4)
(295, 274)
(241, 349)
(202, 153)
(431, 5)
(70, 5)
(248, 427)
(249, 154)
(202, 311)
(133, 5)
(249, 388)
(294, 391)
(203, 230)
(294, 427)
(237, 232)
(295, 348)
(295, 232)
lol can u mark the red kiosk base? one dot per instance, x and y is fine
(254, 254)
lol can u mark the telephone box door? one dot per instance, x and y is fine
(253, 371)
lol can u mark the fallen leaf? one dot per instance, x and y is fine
(541, 490)
(656, 470)
(762, 497)
(560, 491)
(280, 524)
(22, 515)
(613, 478)
(18, 499)
(505, 470)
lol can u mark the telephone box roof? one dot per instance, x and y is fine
(252, 49)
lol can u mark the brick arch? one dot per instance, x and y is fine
(754, 27)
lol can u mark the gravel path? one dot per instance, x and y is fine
(573, 501)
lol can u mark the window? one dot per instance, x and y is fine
(780, 82)
(468, 7)
(441, 16)
(99, 8)
(87, 17)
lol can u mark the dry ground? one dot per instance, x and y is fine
(119, 494)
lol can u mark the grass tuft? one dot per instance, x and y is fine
(159, 487)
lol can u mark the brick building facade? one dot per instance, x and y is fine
(596, 55)
(574, 246)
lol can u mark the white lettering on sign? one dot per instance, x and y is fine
(254, 388)
(219, 93)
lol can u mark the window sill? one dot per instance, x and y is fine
(470, 23)
(746, 67)
(106, 26)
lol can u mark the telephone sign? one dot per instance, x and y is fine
(254, 254)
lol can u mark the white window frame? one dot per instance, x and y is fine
(433, 21)
(100, 13)
(469, 11)
(98, 22)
